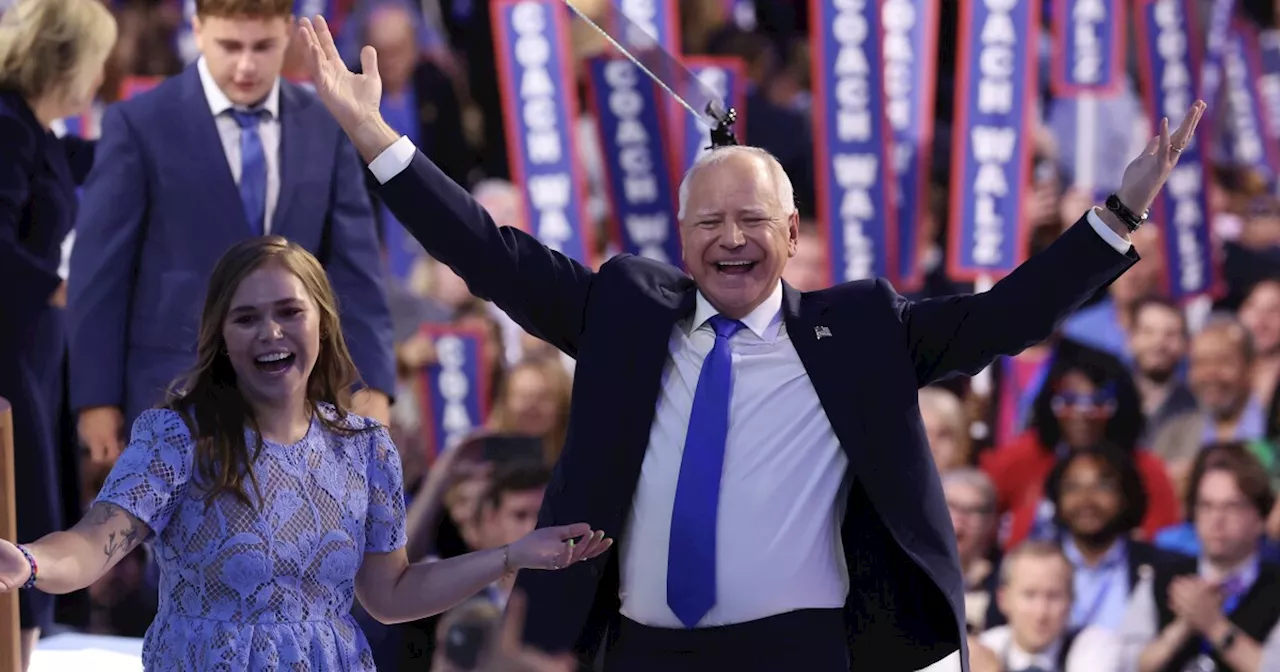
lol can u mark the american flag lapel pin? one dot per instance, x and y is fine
(821, 332)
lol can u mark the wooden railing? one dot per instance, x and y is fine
(10, 642)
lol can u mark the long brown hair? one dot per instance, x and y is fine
(208, 397)
(561, 383)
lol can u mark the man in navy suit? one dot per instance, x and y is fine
(224, 151)
(757, 452)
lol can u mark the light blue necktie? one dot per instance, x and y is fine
(691, 559)
(253, 169)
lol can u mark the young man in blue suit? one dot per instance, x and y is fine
(757, 452)
(224, 151)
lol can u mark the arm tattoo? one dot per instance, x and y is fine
(120, 540)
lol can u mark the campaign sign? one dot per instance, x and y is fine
(852, 140)
(1088, 47)
(1268, 50)
(539, 105)
(1169, 73)
(727, 77)
(1248, 142)
(1215, 41)
(454, 391)
(134, 86)
(649, 26)
(995, 112)
(629, 114)
(82, 126)
(910, 57)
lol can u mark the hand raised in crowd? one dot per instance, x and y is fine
(1146, 175)
(100, 431)
(14, 568)
(416, 352)
(1196, 601)
(555, 548)
(353, 99)
(507, 653)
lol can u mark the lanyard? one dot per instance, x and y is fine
(1099, 598)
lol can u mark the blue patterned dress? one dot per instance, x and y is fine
(243, 589)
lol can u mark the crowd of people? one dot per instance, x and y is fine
(1112, 489)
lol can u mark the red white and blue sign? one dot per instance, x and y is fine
(1248, 142)
(1269, 82)
(726, 76)
(994, 117)
(629, 116)
(910, 75)
(1088, 47)
(454, 391)
(539, 105)
(1169, 72)
(853, 142)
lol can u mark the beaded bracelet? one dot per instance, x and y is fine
(506, 560)
(31, 582)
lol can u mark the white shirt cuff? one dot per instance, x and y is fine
(1113, 239)
(394, 159)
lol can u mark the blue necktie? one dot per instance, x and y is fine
(253, 169)
(691, 559)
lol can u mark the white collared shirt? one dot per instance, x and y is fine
(1094, 650)
(229, 132)
(777, 535)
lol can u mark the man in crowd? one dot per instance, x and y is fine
(738, 502)
(1036, 595)
(224, 151)
(1222, 610)
(1158, 341)
(971, 500)
(1221, 377)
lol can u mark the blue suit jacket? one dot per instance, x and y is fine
(905, 608)
(160, 208)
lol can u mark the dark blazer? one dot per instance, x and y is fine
(38, 177)
(906, 601)
(160, 208)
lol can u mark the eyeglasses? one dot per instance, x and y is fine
(969, 510)
(1102, 400)
(1104, 486)
(1233, 507)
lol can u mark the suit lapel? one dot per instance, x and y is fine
(205, 152)
(814, 340)
(294, 163)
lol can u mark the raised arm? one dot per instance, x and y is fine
(544, 291)
(140, 494)
(966, 333)
(74, 559)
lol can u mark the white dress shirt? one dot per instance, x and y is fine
(778, 543)
(1094, 650)
(229, 132)
(778, 522)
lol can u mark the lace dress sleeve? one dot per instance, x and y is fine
(151, 474)
(384, 523)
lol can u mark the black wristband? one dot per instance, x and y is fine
(1131, 221)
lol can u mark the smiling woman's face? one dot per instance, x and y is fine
(272, 335)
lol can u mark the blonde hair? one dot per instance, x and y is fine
(47, 45)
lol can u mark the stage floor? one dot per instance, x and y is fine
(72, 652)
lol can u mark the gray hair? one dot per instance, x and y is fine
(1230, 325)
(1036, 548)
(972, 478)
(495, 187)
(786, 192)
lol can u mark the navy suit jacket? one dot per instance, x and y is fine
(905, 608)
(161, 207)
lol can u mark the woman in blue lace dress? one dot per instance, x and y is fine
(269, 505)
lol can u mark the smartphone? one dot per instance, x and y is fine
(501, 448)
(463, 644)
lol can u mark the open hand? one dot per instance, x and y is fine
(554, 548)
(352, 99)
(1146, 175)
(14, 568)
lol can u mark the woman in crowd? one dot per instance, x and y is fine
(271, 506)
(533, 400)
(946, 427)
(1087, 397)
(52, 54)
